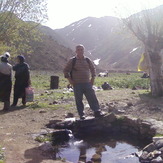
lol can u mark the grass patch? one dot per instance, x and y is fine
(122, 80)
(158, 135)
(41, 139)
(1, 155)
(38, 105)
(56, 98)
(41, 80)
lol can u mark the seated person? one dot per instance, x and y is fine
(106, 86)
(145, 75)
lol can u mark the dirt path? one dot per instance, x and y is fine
(18, 125)
(16, 129)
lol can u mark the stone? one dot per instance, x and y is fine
(60, 136)
(42, 111)
(156, 138)
(83, 156)
(157, 160)
(69, 115)
(46, 146)
(161, 149)
(159, 143)
(96, 157)
(129, 104)
(139, 153)
(150, 147)
(144, 155)
(55, 102)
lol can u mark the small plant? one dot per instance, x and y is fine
(44, 138)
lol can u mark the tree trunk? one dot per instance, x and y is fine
(155, 72)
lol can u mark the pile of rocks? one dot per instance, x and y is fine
(152, 153)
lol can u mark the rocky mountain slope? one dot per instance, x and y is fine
(105, 38)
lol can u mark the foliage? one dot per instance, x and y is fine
(20, 39)
(16, 33)
(44, 138)
(147, 26)
(158, 135)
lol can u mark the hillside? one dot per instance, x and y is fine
(107, 39)
(50, 53)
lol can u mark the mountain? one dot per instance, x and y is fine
(50, 53)
(107, 39)
(89, 31)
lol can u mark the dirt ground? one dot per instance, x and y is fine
(19, 124)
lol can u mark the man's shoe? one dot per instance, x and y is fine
(6, 106)
(98, 114)
(13, 105)
(24, 104)
(82, 117)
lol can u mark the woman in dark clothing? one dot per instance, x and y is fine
(22, 80)
(5, 82)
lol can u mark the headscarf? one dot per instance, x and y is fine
(5, 56)
(21, 58)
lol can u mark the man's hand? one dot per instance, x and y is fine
(92, 81)
(71, 81)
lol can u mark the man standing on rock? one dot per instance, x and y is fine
(80, 72)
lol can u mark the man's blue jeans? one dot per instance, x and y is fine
(86, 89)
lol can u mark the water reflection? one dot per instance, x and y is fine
(99, 150)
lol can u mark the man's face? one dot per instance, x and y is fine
(79, 51)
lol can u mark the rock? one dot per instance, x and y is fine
(129, 104)
(150, 148)
(138, 154)
(144, 156)
(159, 144)
(61, 136)
(96, 157)
(100, 149)
(161, 149)
(156, 138)
(83, 156)
(42, 111)
(69, 115)
(46, 147)
(119, 111)
(55, 102)
(70, 120)
(157, 160)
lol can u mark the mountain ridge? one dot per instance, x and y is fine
(105, 38)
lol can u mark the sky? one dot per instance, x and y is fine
(64, 12)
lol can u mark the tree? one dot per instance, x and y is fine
(147, 26)
(18, 22)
